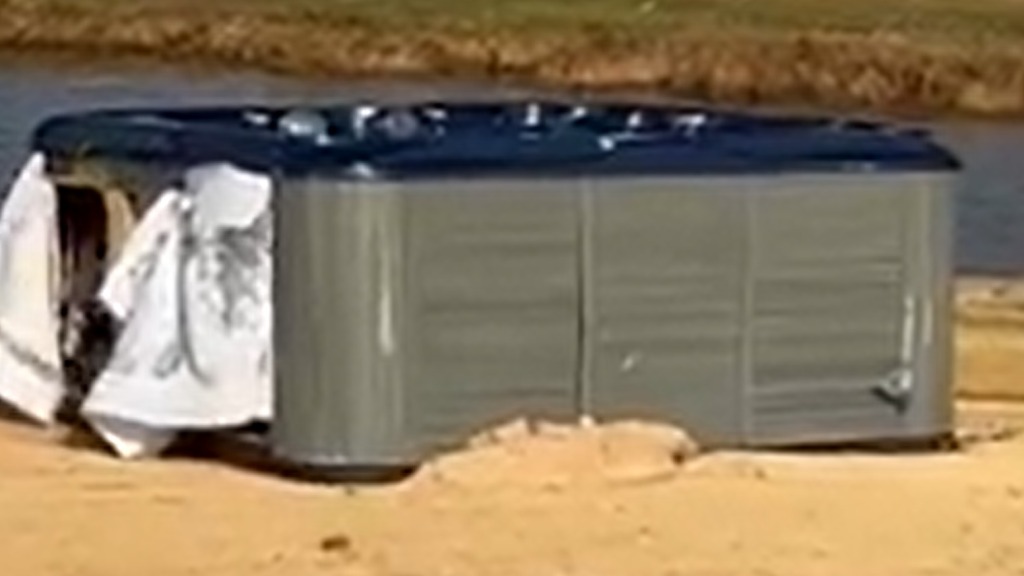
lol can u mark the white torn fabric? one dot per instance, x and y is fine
(139, 253)
(31, 379)
(146, 264)
(193, 286)
(129, 439)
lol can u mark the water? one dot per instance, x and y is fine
(990, 203)
(990, 234)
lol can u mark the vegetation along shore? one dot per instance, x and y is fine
(924, 56)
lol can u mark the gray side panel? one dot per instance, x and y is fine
(829, 307)
(765, 311)
(666, 296)
(337, 324)
(930, 276)
(494, 306)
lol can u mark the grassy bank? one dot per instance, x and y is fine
(947, 56)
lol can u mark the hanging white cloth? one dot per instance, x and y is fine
(138, 255)
(31, 379)
(147, 264)
(193, 289)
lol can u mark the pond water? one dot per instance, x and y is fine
(990, 234)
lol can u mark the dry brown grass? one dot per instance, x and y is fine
(942, 57)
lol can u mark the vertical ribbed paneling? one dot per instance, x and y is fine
(666, 294)
(749, 310)
(337, 321)
(493, 306)
(830, 306)
(930, 278)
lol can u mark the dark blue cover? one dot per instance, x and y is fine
(528, 138)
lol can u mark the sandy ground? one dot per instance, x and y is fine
(561, 504)
(621, 500)
(990, 339)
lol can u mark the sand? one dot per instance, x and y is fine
(615, 499)
(558, 457)
(990, 339)
(623, 499)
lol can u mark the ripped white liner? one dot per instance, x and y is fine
(192, 287)
(30, 373)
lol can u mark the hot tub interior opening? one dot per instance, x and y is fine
(88, 222)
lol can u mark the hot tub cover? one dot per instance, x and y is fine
(463, 139)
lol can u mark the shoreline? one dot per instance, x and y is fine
(843, 72)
